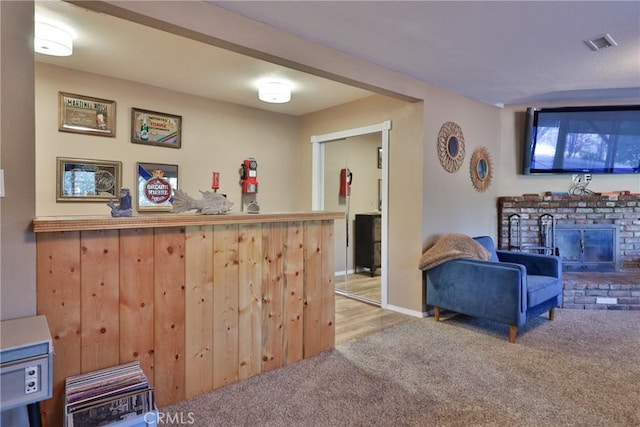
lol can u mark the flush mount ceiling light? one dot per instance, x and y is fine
(601, 42)
(52, 40)
(274, 92)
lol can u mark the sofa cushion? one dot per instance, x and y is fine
(487, 243)
(542, 288)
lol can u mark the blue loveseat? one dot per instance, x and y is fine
(510, 287)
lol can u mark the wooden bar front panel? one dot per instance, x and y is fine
(200, 306)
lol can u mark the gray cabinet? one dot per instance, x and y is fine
(368, 237)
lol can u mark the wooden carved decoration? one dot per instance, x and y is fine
(451, 147)
(480, 169)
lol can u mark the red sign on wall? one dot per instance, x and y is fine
(157, 190)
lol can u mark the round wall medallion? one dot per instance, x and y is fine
(451, 147)
(480, 169)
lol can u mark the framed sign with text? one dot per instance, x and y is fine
(86, 115)
(156, 184)
(154, 128)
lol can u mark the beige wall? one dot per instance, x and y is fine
(451, 203)
(405, 182)
(216, 136)
(512, 136)
(17, 148)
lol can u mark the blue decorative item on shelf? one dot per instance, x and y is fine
(124, 208)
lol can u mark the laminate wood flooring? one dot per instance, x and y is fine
(356, 319)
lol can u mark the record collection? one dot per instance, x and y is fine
(107, 396)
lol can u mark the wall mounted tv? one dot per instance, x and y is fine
(604, 140)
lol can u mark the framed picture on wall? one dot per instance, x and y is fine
(156, 183)
(82, 180)
(154, 128)
(86, 115)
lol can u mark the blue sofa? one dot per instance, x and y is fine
(511, 287)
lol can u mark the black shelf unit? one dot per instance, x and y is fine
(368, 237)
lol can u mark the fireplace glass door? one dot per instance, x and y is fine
(587, 247)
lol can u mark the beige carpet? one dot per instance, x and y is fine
(582, 369)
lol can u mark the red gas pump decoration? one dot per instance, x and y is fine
(249, 176)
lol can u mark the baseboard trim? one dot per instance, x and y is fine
(402, 310)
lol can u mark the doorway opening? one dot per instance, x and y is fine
(350, 171)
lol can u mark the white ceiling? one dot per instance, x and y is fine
(501, 52)
(498, 52)
(118, 48)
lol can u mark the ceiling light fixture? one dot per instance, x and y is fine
(601, 42)
(52, 40)
(274, 92)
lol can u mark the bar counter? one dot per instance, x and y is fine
(202, 301)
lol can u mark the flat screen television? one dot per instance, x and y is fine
(597, 140)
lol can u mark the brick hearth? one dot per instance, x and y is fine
(591, 291)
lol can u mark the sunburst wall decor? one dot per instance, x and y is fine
(480, 169)
(451, 147)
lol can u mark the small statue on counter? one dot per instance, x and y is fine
(211, 203)
(124, 208)
(253, 207)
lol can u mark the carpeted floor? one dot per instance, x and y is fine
(582, 369)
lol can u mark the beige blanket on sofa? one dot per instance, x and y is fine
(452, 246)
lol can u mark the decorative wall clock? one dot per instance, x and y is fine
(480, 169)
(451, 146)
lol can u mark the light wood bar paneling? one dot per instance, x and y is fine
(250, 300)
(313, 292)
(99, 299)
(202, 302)
(169, 315)
(199, 316)
(294, 294)
(225, 305)
(272, 287)
(327, 287)
(58, 296)
(136, 298)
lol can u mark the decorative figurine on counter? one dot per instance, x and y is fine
(211, 203)
(124, 208)
(253, 207)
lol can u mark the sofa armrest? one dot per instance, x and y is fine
(536, 264)
(484, 289)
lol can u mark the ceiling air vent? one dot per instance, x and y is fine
(601, 42)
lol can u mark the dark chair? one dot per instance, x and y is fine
(511, 287)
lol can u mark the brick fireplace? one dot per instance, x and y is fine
(610, 278)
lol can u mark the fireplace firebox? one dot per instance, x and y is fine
(587, 247)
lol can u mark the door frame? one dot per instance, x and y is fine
(317, 186)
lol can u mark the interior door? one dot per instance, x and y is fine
(352, 181)
(336, 159)
(366, 155)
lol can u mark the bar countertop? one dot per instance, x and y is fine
(79, 223)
